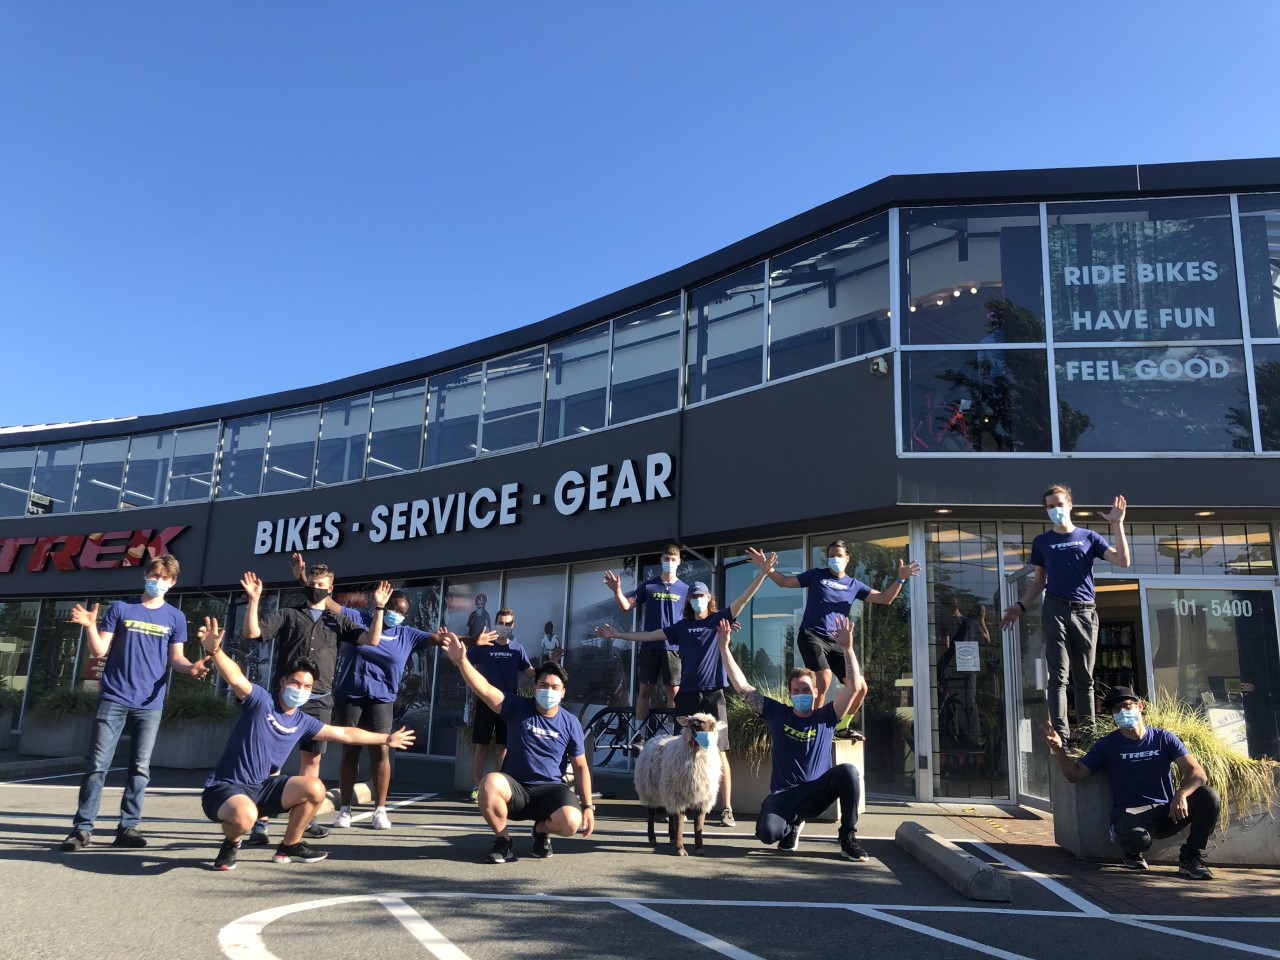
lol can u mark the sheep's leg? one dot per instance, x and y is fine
(677, 833)
(653, 815)
(699, 818)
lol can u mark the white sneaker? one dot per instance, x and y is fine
(380, 820)
(343, 819)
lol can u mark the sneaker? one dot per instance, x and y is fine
(76, 840)
(343, 819)
(475, 795)
(1194, 868)
(541, 844)
(226, 858)
(315, 832)
(1134, 861)
(300, 852)
(791, 840)
(380, 820)
(504, 850)
(129, 837)
(850, 848)
(726, 818)
(258, 835)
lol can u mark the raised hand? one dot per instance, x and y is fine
(383, 593)
(454, 648)
(251, 585)
(723, 633)
(607, 630)
(298, 566)
(844, 632)
(1117, 511)
(756, 556)
(487, 638)
(83, 617)
(612, 581)
(1051, 736)
(908, 569)
(210, 635)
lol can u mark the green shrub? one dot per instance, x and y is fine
(66, 703)
(747, 730)
(191, 702)
(10, 699)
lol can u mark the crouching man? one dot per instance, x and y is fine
(530, 785)
(242, 786)
(1144, 805)
(804, 782)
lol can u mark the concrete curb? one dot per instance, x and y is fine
(28, 768)
(974, 878)
(363, 795)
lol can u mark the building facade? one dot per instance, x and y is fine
(905, 368)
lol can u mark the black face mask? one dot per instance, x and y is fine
(315, 594)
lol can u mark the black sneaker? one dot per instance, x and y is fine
(76, 840)
(300, 852)
(1194, 868)
(541, 844)
(315, 832)
(258, 835)
(226, 858)
(850, 848)
(1134, 861)
(504, 850)
(129, 837)
(791, 839)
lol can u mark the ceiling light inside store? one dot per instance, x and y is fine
(940, 301)
(1203, 513)
(913, 308)
(973, 289)
(943, 510)
(955, 292)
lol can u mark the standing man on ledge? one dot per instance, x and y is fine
(1063, 558)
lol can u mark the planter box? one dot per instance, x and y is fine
(750, 788)
(66, 737)
(191, 744)
(1082, 815)
(465, 758)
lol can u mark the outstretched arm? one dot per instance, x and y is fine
(1034, 589)
(299, 568)
(854, 690)
(906, 570)
(766, 565)
(399, 740)
(456, 651)
(1119, 551)
(614, 583)
(609, 632)
(211, 639)
(99, 643)
(756, 556)
(737, 678)
(373, 636)
(252, 587)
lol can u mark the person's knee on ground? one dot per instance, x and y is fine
(564, 822)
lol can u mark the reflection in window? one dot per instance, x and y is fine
(193, 454)
(455, 399)
(829, 300)
(18, 628)
(244, 444)
(15, 481)
(1260, 245)
(577, 382)
(55, 476)
(101, 473)
(536, 597)
(599, 670)
(646, 362)
(964, 400)
(725, 335)
(513, 388)
(415, 699)
(972, 275)
(53, 662)
(1158, 399)
(765, 647)
(147, 473)
(1199, 549)
(1266, 380)
(395, 444)
(344, 438)
(1143, 270)
(291, 455)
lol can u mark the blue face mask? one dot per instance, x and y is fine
(803, 702)
(704, 738)
(670, 566)
(392, 619)
(547, 698)
(155, 588)
(837, 564)
(1127, 719)
(294, 697)
(699, 604)
(1058, 515)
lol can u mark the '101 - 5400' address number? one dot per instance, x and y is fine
(1218, 608)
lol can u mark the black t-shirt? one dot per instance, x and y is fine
(298, 635)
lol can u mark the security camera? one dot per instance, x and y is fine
(879, 367)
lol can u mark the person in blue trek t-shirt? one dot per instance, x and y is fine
(502, 663)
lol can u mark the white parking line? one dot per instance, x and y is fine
(947, 937)
(688, 932)
(1198, 937)
(427, 935)
(55, 776)
(1059, 890)
(394, 806)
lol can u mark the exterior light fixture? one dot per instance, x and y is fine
(1203, 513)
(943, 510)
(955, 292)
(913, 308)
(973, 289)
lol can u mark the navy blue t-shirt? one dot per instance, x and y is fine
(1139, 769)
(801, 745)
(700, 664)
(501, 664)
(261, 739)
(376, 671)
(1067, 559)
(137, 666)
(828, 597)
(663, 605)
(537, 746)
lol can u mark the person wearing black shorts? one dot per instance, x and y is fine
(502, 662)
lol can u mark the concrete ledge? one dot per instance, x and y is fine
(28, 768)
(974, 878)
(363, 795)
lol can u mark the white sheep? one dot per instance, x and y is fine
(679, 775)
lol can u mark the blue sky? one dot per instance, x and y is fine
(202, 202)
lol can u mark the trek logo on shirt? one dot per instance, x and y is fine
(151, 629)
(1140, 755)
(665, 596)
(800, 735)
(1077, 545)
(501, 654)
(280, 727)
(545, 733)
(835, 584)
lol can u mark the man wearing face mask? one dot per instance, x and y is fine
(1144, 805)
(830, 594)
(502, 663)
(1063, 559)
(805, 781)
(530, 785)
(141, 639)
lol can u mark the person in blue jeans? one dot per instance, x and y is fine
(142, 639)
(804, 779)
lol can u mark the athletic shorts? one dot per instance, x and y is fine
(268, 796)
(819, 653)
(488, 727)
(538, 801)
(365, 713)
(322, 710)
(705, 701)
(652, 664)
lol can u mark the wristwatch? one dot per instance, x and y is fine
(379, 608)
(588, 806)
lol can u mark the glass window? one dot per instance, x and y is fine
(1143, 270)
(1158, 399)
(965, 400)
(646, 362)
(454, 406)
(471, 603)
(599, 670)
(1198, 549)
(1266, 380)
(147, 472)
(829, 300)
(1260, 246)
(194, 450)
(725, 335)
(101, 473)
(577, 381)
(15, 481)
(416, 697)
(972, 275)
(536, 597)
(291, 455)
(344, 438)
(765, 647)
(54, 659)
(244, 444)
(395, 445)
(17, 634)
(513, 388)
(55, 477)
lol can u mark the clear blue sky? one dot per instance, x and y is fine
(202, 202)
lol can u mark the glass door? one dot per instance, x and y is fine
(1030, 678)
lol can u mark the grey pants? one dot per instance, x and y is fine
(1070, 642)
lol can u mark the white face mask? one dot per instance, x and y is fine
(155, 587)
(670, 566)
(547, 698)
(699, 604)
(1058, 515)
(837, 564)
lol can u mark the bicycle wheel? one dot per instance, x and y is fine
(608, 731)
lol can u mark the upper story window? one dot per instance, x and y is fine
(244, 447)
(456, 399)
(101, 474)
(1260, 246)
(194, 452)
(16, 467)
(645, 379)
(344, 440)
(725, 345)
(55, 476)
(577, 383)
(513, 389)
(395, 439)
(291, 449)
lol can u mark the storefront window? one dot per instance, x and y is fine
(577, 381)
(101, 473)
(56, 647)
(17, 633)
(1260, 246)
(15, 481)
(979, 401)
(646, 362)
(1266, 379)
(829, 300)
(427, 671)
(765, 647)
(147, 473)
(194, 450)
(536, 597)
(244, 444)
(55, 477)
(599, 670)
(513, 387)
(395, 444)
(725, 335)
(454, 405)
(344, 439)
(1198, 549)
(291, 456)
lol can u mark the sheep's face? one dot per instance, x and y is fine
(700, 729)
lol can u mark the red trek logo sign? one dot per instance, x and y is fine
(93, 551)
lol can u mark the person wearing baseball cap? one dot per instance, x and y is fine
(1144, 805)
